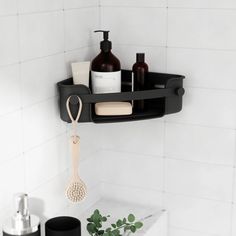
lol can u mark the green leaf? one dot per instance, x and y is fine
(101, 232)
(119, 223)
(91, 228)
(113, 225)
(116, 232)
(106, 234)
(104, 219)
(96, 212)
(98, 225)
(96, 218)
(89, 220)
(138, 225)
(132, 228)
(131, 218)
(108, 229)
(124, 220)
(127, 227)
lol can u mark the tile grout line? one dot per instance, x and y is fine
(67, 72)
(171, 7)
(166, 157)
(46, 11)
(199, 125)
(40, 57)
(201, 162)
(233, 192)
(194, 231)
(194, 197)
(167, 121)
(49, 180)
(21, 96)
(212, 88)
(132, 153)
(133, 6)
(100, 14)
(179, 47)
(204, 49)
(64, 35)
(204, 8)
(165, 124)
(23, 152)
(202, 125)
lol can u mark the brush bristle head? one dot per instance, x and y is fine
(76, 191)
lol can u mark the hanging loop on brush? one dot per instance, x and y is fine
(74, 121)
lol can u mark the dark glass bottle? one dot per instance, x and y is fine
(105, 62)
(140, 70)
(106, 69)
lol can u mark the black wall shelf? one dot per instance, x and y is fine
(163, 96)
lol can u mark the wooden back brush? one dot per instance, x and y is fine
(76, 189)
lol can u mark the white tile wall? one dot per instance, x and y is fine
(70, 4)
(207, 144)
(211, 29)
(197, 214)
(135, 137)
(128, 194)
(40, 123)
(155, 56)
(198, 145)
(41, 34)
(136, 3)
(208, 107)
(136, 30)
(34, 155)
(9, 40)
(74, 30)
(199, 179)
(51, 158)
(181, 232)
(138, 170)
(10, 89)
(185, 162)
(203, 68)
(40, 86)
(27, 6)
(12, 179)
(52, 194)
(202, 4)
(234, 221)
(10, 136)
(8, 7)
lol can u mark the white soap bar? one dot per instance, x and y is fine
(113, 108)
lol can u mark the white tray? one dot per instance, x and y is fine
(154, 219)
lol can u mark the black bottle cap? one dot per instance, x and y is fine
(140, 57)
(105, 45)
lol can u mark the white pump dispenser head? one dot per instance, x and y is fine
(22, 223)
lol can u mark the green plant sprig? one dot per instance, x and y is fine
(94, 226)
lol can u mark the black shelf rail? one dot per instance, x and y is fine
(163, 96)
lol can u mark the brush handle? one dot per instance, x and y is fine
(74, 143)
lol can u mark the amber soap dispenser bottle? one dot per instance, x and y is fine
(105, 68)
(139, 79)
